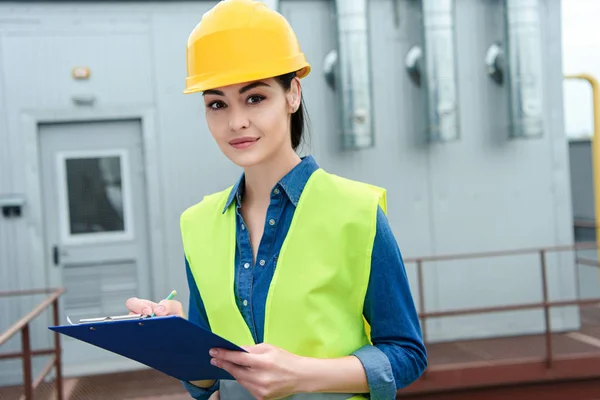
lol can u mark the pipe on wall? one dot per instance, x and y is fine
(438, 73)
(440, 64)
(524, 67)
(347, 71)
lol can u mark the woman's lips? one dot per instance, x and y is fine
(243, 142)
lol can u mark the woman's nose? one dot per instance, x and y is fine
(238, 120)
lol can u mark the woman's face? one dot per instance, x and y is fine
(251, 121)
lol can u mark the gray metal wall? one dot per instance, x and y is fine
(582, 192)
(484, 192)
(582, 183)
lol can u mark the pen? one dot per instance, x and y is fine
(169, 297)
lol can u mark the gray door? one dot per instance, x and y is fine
(95, 226)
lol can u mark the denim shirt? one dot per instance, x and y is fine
(397, 356)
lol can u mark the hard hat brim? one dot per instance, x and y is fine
(197, 84)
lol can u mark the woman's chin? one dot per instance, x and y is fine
(247, 159)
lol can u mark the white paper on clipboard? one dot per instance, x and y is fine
(107, 319)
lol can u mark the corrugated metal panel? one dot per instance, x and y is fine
(9, 279)
(5, 185)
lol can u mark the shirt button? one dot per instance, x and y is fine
(276, 191)
(243, 227)
(246, 265)
(262, 262)
(245, 302)
(272, 222)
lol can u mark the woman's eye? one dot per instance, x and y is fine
(255, 99)
(215, 105)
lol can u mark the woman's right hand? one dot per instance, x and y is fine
(147, 307)
(163, 308)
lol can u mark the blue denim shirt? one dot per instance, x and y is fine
(397, 356)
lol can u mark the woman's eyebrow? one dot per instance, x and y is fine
(252, 86)
(242, 90)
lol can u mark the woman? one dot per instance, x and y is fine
(290, 261)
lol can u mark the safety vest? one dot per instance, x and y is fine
(314, 306)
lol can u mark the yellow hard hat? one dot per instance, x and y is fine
(240, 41)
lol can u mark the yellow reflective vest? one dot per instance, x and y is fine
(314, 306)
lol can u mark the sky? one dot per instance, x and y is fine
(581, 54)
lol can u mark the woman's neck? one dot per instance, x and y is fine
(260, 179)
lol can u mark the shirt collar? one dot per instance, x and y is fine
(236, 192)
(292, 183)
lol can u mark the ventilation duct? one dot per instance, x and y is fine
(347, 71)
(520, 67)
(438, 73)
(524, 74)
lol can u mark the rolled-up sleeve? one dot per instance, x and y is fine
(398, 356)
(379, 372)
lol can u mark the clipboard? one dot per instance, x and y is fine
(172, 345)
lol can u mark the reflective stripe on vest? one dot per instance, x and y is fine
(316, 298)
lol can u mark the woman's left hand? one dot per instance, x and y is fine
(266, 371)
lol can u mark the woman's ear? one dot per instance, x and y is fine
(294, 95)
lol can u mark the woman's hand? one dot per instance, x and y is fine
(161, 309)
(269, 372)
(147, 307)
(266, 371)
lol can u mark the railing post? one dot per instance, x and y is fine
(57, 353)
(546, 310)
(26, 346)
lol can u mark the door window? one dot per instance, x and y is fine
(95, 196)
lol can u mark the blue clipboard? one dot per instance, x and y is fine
(172, 345)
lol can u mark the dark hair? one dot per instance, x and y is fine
(300, 117)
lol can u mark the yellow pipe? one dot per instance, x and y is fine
(595, 148)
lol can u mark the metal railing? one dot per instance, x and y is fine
(545, 303)
(52, 300)
(26, 352)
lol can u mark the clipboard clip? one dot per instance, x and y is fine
(108, 319)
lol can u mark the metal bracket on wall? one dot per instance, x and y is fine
(494, 61)
(329, 67)
(414, 58)
(347, 70)
(435, 69)
(12, 205)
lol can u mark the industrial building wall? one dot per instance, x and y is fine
(582, 193)
(482, 192)
(582, 180)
